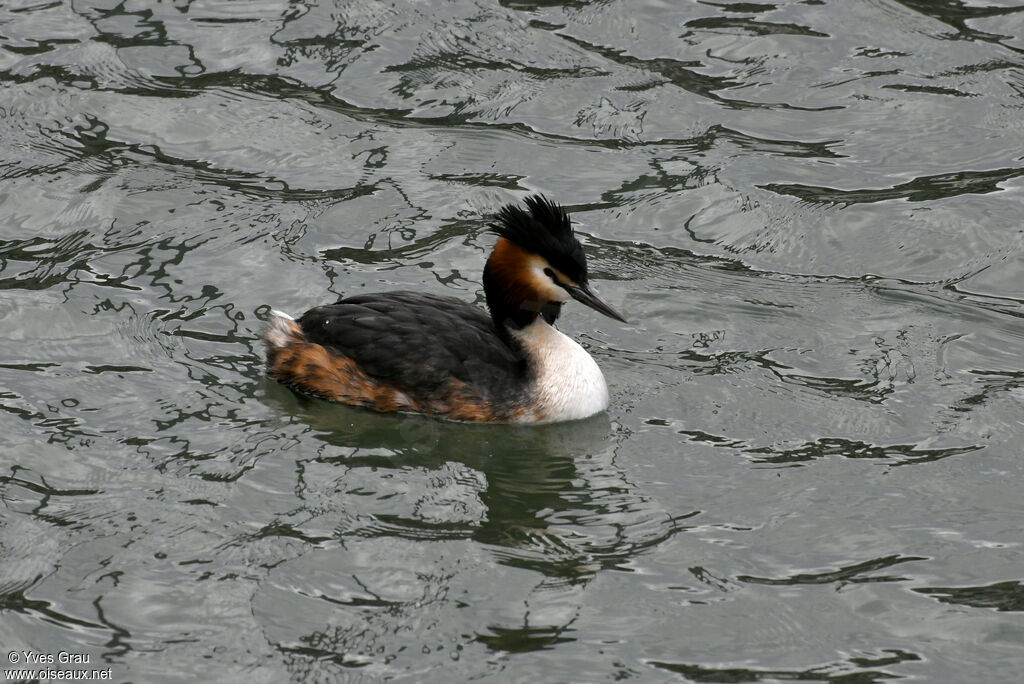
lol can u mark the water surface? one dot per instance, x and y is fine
(810, 212)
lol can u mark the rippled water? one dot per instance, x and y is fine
(811, 213)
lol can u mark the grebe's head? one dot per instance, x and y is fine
(536, 265)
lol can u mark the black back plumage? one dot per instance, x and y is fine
(418, 342)
(544, 228)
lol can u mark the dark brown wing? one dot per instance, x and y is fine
(418, 342)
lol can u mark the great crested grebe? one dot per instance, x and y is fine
(440, 356)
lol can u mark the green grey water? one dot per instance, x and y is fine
(810, 212)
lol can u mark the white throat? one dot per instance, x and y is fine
(568, 383)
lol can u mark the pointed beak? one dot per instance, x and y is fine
(588, 296)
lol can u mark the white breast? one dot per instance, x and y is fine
(568, 383)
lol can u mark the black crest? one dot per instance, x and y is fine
(543, 228)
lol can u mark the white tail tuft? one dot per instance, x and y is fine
(281, 329)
